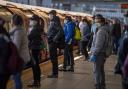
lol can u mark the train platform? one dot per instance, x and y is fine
(81, 78)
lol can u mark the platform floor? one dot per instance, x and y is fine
(82, 78)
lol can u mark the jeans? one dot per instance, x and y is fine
(53, 58)
(17, 80)
(3, 81)
(35, 67)
(68, 55)
(99, 74)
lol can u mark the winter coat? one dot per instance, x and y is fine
(34, 37)
(85, 31)
(99, 40)
(4, 50)
(123, 49)
(19, 38)
(116, 30)
(54, 28)
(69, 28)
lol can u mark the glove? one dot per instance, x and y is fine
(93, 58)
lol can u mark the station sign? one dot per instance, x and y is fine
(124, 6)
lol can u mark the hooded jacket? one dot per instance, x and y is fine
(69, 28)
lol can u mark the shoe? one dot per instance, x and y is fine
(52, 76)
(34, 85)
(71, 69)
(62, 69)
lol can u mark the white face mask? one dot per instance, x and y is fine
(98, 24)
(50, 16)
(32, 23)
(65, 21)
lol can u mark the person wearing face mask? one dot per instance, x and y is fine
(98, 52)
(34, 36)
(53, 36)
(69, 28)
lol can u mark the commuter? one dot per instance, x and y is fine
(98, 52)
(52, 34)
(68, 51)
(85, 36)
(116, 34)
(4, 55)
(93, 31)
(19, 38)
(78, 36)
(122, 54)
(35, 42)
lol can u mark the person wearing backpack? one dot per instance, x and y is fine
(19, 38)
(4, 55)
(98, 52)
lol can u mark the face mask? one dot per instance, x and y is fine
(65, 21)
(98, 24)
(32, 23)
(51, 16)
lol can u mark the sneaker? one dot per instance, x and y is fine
(52, 76)
(71, 69)
(62, 69)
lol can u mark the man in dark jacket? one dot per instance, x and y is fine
(4, 54)
(116, 34)
(53, 36)
(122, 54)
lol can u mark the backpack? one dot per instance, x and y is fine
(15, 62)
(60, 38)
(108, 43)
(77, 35)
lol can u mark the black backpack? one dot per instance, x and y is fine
(60, 38)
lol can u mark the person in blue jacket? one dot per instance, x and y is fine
(69, 27)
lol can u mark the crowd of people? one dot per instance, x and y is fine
(92, 38)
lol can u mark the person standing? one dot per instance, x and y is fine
(35, 40)
(98, 52)
(69, 28)
(19, 38)
(116, 35)
(4, 55)
(85, 35)
(53, 37)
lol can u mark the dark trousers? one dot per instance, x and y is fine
(3, 81)
(124, 83)
(53, 58)
(35, 67)
(68, 56)
(83, 48)
(115, 44)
